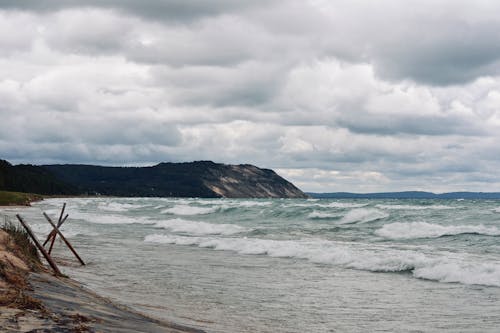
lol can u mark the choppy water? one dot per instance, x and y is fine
(291, 265)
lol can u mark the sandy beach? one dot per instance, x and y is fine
(32, 299)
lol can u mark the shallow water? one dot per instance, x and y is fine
(291, 265)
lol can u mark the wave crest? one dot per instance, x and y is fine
(363, 215)
(189, 210)
(414, 230)
(443, 267)
(200, 228)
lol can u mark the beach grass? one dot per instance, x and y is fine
(8, 198)
(23, 245)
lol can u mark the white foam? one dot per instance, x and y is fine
(343, 205)
(414, 207)
(321, 215)
(117, 206)
(254, 203)
(199, 228)
(487, 274)
(189, 210)
(363, 215)
(109, 218)
(335, 204)
(68, 231)
(445, 267)
(413, 230)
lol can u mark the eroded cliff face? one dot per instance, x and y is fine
(248, 181)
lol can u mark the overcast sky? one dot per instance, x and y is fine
(335, 95)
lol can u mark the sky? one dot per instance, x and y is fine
(334, 95)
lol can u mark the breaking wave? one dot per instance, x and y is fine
(189, 210)
(363, 215)
(199, 228)
(413, 230)
(443, 268)
(109, 218)
(411, 207)
(322, 215)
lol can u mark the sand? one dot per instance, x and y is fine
(45, 303)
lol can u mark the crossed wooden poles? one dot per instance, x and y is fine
(50, 237)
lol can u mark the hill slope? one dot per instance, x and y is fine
(194, 179)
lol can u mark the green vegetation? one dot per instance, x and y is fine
(17, 245)
(17, 198)
(23, 247)
(31, 179)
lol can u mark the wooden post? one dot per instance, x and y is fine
(59, 223)
(63, 238)
(52, 232)
(39, 246)
(55, 235)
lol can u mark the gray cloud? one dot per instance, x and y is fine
(339, 95)
(176, 10)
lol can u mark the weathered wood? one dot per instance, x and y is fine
(61, 215)
(53, 233)
(63, 238)
(39, 246)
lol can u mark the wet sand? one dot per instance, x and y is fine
(34, 300)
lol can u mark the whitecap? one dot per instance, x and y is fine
(321, 215)
(443, 267)
(109, 218)
(363, 215)
(118, 206)
(199, 228)
(415, 207)
(413, 230)
(189, 210)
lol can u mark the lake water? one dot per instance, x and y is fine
(227, 265)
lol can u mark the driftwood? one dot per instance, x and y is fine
(39, 246)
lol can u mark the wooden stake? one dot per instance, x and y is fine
(39, 246)
(53, 233)
(63, 238)
(59, 223)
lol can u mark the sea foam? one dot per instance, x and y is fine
(189, 210)
(413, 230)
(363, 215)
(109, 218)
(443, 267)
(315, 214)
(412, 207)
(199, 228)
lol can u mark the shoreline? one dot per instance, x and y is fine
(66, 306)
(32, 299)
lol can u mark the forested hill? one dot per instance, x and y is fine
(194, 179)
(32, 179)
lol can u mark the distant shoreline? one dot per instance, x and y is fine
(406, 195)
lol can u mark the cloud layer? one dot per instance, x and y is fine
(336, 95)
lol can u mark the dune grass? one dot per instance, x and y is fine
(17, 198)
(18, 244)
(22, 243)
